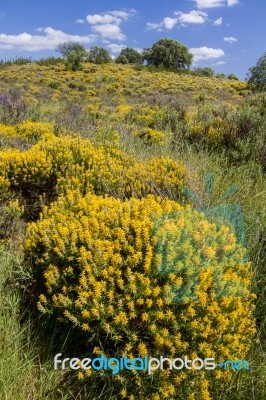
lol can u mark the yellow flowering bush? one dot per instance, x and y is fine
(150, 135)
(56, 164)
(161, 176)
(28, 131)
(7, 130)
(34, 131)
(116, 270)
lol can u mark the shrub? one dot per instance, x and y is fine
(116, 270)
(54, 165)
(49, 61)
(232, 77)
(12, 109)
(206, 71)
(29, 131)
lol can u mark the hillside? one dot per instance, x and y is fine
(107, 177)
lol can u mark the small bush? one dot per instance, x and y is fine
(54, 165)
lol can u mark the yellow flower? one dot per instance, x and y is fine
(210, 252)
(142, 349)
(145, 316)
(80, 375)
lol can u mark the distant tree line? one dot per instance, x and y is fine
(165, 54)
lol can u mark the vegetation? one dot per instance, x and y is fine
(73, 53)
(232, 76)
(102, 175)
(129, 56)
(98, 55)
(257, 74)
(207, 71)
(169, 54)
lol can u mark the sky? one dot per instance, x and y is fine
(226, 35)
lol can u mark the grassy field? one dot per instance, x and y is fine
(75, 144)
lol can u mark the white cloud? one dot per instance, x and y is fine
(209, 3)
(215, 3)
(218, 21)
(115, 17)
(219, 63)
(154, 25)
(206, 53)
(169, 22)
(116, 48)
(231, 3)
(230, 39)
(193, 17)
(103, 19)
(109, 31)
(49, 40)
(124, 14)
(107, 25)
(80, 21)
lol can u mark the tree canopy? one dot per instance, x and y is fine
(129, 56)
(204, 71)
(99, 55)
(74, 53)
(257, 74)
(168, 53)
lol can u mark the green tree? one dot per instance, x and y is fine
(232, 77)
(74, 53)
(168, 53)
(99, 55)
(206, 71)
(221, 75)
(129, 56)
(257, 74)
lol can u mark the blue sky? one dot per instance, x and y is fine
(227, 35)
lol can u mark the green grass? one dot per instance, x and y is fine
(22, 375)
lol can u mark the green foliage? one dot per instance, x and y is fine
(99, 55)
(16, 61)
(206, 71)
(232, 77)
(54, 84)
(129, 56)
(73, 53)
(257, 74)
(49, 61)
(221, 76)
(169, 54)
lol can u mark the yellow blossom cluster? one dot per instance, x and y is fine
(129, 271)
(28, 130)
(56, 164)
